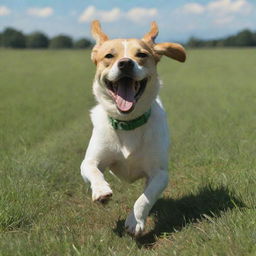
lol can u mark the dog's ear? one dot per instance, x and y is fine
(99, 36)
(152, 34)
(97, 33)
(171, 50)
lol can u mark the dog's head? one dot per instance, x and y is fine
(126, 77)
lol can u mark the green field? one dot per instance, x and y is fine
(209, 205)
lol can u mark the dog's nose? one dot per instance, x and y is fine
(125, 64)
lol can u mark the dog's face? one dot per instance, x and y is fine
(126, 69)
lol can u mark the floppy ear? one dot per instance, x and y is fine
(152, 34)
(99, 36)
(171, 50)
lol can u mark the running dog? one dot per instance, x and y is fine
(130, 132)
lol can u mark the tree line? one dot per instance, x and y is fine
(244, 38)
(12, 38)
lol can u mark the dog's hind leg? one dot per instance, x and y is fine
(135, 222)
(101, 190)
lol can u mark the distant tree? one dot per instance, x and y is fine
(210, 43)
(220, 43)
(83, 43)
(13, 38)
(61, 41)
(1, 39)
(245, 38)
(254, 37)
(195, 42)
(37, 40)
(229, 41)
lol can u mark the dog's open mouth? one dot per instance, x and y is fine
(126, 92)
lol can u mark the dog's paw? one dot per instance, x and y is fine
(101, 193)
(134, 226)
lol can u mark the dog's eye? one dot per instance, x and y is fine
(141, 55)
(109, 56)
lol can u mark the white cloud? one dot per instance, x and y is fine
(40, 12)
(223, 7)
(193, 8)
(141, 14)
(219, 7)
(135, 14)
(218, 12)
(4, 11)
(91, 13)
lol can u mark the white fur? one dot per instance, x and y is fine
(125, 44)
(130, 155)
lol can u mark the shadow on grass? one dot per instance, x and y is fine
(172, 215)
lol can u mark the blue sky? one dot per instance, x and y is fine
(177, 20)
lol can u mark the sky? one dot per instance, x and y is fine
(177, 20)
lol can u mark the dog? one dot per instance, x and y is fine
(130, 131)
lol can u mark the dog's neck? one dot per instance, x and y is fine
(131, 124)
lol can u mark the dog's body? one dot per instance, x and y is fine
(126, 86)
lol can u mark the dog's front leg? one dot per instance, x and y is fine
(135, 221)
(101, 190)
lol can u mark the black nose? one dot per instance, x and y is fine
(125, 64)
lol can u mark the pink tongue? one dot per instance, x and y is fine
(125, 95)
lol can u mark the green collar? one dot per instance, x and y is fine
(131, 124)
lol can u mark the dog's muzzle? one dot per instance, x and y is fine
(126, 92)
(125, 89)
(126, 65)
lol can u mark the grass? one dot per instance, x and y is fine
(209, 205)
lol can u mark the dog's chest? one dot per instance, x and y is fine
(130, 154)
(132, 160)
(130, 142)
(129, 165)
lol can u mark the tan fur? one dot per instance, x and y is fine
(97, 32)
(146, 44)
(152, 34)
(172, 50)
(116, 48)
(99, 36)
